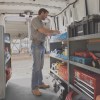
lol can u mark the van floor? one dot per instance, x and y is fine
(19, 86)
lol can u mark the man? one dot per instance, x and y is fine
(38, 34)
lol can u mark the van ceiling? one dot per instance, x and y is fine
(16, 7)
(20, 6)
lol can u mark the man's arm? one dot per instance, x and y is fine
(47, 31)
(41, 29)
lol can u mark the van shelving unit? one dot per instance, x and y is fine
(2, 64)
(59, 77)
(52, 41)
(7, 54)
(85, 37)
(5, 60)
(74, 43)
(58, 58)
(7, 47)
(95, 70)
(56, 44)
(80, 43)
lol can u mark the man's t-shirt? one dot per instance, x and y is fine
(35, 25)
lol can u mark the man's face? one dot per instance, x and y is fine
(44, 15)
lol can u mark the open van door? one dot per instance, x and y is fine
(2, 64)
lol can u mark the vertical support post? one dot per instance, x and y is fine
(2, 21)
(29, 33)
(2, 65)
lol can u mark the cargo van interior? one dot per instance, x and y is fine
(72, 58)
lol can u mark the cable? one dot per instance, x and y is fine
(66, 8)
(86, 8)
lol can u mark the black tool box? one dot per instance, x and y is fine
(72, 30)
(88, 25)
(94, 24)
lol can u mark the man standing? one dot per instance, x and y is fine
(38, 34)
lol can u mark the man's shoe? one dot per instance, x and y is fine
(36, 92)
(43, 86)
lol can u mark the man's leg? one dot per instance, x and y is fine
(36, 69)
(41, 84)
(41, 64)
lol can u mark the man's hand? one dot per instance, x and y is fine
(48, 32)
(55, 32)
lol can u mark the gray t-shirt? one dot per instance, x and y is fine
(35, 25)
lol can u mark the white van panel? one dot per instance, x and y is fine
(93, 6)
(79, 10)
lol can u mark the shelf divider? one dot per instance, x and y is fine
(58, 58)
(90, 68)
(85, 37)
(54, 41)
(59, 76)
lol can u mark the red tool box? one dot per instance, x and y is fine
(88, 83)
(85, 54)
(88, 54)
(63, 72)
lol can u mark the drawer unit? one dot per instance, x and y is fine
(87, 83)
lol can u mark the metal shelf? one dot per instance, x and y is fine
(7, 41)
(7, 58)
(58, 58)
(54, 41)
(85, 37)
(59, 76)
(90, 68)
(79, 92)
(73, 47)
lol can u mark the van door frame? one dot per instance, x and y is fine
(2, 64)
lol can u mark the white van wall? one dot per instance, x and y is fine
(2, 21)
(79, 11)
(93, 6)
(52, 25)
(72, 13)
(76, 12)
(62, 25)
